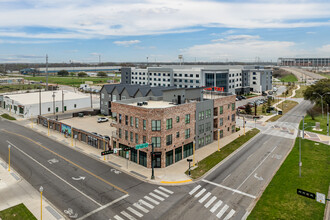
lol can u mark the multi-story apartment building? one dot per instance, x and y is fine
(172, 122)
(231, 79)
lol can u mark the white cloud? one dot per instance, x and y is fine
(102, 18)
(126, 43)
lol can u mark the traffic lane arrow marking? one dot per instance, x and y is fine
(257, 177)
(79, 178)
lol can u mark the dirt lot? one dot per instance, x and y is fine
(89, 123)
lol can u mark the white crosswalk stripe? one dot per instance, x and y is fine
(128, 215)
(204, 197)
(157, 197)
(222, 211)
(216, 205)
(200, 193)
(118, 217)
(166, 190)
(194, 189)
(230, 214)
(151, 200)
(135, 212)
(210, 201)
(160, 193)
(146, 204)
(141, 208)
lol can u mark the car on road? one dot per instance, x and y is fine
(103, 119)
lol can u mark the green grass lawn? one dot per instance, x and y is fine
(259, 108)
(209, 162)
(250, 95)
(18, 212)
(309, 123)
(285, 106)
(6, 116)
(11, 88)
(289, 78)
(327, 75)
(280, 199)
(300, 92)
(72, 81)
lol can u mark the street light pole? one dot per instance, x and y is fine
(218, 139)
(9, 157)
(53, 102)
(194, 153)
(152, 162)
(328, 119)
(41, 189)
(327, 93)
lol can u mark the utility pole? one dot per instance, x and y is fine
(39, 101)
(53, 103)
(328, 119)
(91, 100)
(46, 72)
(152, 162)
(62, 102)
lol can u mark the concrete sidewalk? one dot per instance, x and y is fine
(15, 190)
(317, 137)
(173, 174)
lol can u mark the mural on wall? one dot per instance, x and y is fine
(66, 129)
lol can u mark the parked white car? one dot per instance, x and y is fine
(99, 120)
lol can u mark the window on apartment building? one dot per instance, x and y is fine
(144, 139)
(169, 123)
(168, 139)
(201, 115)
(201, 141)
(102, 95)
(177, 134)
(136, 122)
(233, 128)
(191, 75)
(119, 118)
(228, 117)
(187, 119)
(221, 109)
(208, 113)
(197, 75)
(175, 74)
(185, 75)
(164, 80)
(254, 73)
(131, 121)
(180, 80)
(221, 121)
(191, 81)
(49, 109)
(228, 106)
(208, 126)
(187, 133)
(126, 119)
(197, 81)
(207, 139)
(200, 129)
(144, 124)
(232, 106)
(175, 80)
(221, 133)
(156, 141)
(233, 117)
(177, 119)
(114, 98)
(155, 125)
(180, 75)
(254, 83)
(126, 135)
(119, 132)
(228, 129)
(254, 78)
(136, 138)
(185, 81)
(131, 136)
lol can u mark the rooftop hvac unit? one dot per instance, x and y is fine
(145, 103)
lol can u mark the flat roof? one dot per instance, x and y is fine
(154, 104)
(46, 96)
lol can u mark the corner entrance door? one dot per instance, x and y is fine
(158, 160)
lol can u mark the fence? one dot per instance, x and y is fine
(89, 138)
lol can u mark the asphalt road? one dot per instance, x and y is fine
(83, 188)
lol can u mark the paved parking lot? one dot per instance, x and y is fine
(89, 123)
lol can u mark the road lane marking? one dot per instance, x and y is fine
(256, 168)
(54, 174)
(222, 211)
(166, 190)
(157, 197)
(151, 200)
(135, 212)
(103, 207)
(204, 197)
(216, 206)
(228, 188)
(146, 204)
(210, 201)
(195, 189)
(200, 193)
(160, 193)
(230, 214)
(226, 178)
(128, 215)
(117, 217)
(141, 208)
(69, 161)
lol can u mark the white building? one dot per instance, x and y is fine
(28, 104)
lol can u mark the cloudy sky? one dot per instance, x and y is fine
(132, 30)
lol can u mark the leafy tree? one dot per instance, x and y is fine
(82, 74)
(264, 108)
(248, 109)
(72, 74)
(102, 74)
(269, 102)
(63, 73)
(321, 87)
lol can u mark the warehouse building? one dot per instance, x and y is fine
(29, 105)
(304, 62)
(172, 123)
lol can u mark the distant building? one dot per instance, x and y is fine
(304, 62)
(29, 71)
(5, 81)
(27, 104)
